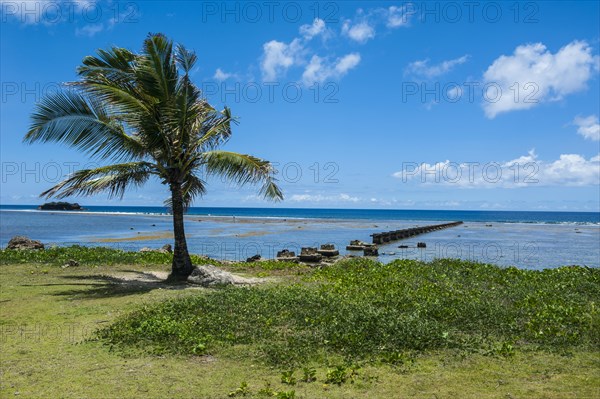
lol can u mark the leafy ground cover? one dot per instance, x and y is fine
(446, 329)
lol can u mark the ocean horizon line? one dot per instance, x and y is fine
(489, 216)
(318, 208)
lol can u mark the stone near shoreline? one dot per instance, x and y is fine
(22, 242)
(287, 256)
(328, 250)
(209, 275)
(165, 249)
(310, 255)
(371, 250)
(254, 258)
(356, 245)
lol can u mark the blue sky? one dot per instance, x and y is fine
(436, 105)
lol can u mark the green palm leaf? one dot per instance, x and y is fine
(143, 112)
(114, 179)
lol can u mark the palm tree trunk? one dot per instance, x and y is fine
(182, 264)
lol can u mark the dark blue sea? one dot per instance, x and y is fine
(353, 214)
(533, 240)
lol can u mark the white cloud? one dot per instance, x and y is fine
(221, 75)
(278, 57)
(423, 69)
(524, 171)
(588, 127)
(46, 12)
(540, 75)
(323, 198)
(397, 16)
(363, 27)
(319, 70)
(360, 32)
(315, 29)
(89, 30)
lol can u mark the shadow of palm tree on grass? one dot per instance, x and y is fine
(106, 286)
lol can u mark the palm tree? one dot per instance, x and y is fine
(142, 113)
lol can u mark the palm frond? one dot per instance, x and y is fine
(114, 179)
(243, 169)
(70, 118)
(157, 70)
(215, 129)
(185, 58)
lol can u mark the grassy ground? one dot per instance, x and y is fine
(49, 315)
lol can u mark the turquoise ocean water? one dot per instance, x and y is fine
(533, 240)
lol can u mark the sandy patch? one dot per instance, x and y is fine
(139, 237)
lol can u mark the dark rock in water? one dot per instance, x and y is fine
(286, 254)
(167, 248)
(371, 250)
(60, 206)
(356, 245)
(328, 250)
(254, 258)
(403, 246)
(421, 245)
(309, 254)
(21, 242)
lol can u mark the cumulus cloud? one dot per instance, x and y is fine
(89, 30)
(315, 29)
(398, 16)
(539, 74)
(323, 198)
(422, 68)
(221, 75)
(364, 26)
(360, 32)
(278, 57)
(524, 171)
(588, 127)
(47, 12)
(319, 70)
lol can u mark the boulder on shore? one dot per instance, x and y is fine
(21, 242)
(254, 258)
(328, 250)
(286, 255)
(371, 250)
(165, 249)
(309, 254)
(209, 275)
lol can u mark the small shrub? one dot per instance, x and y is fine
(287, 377)
(243, 390)
(286, 394)
(337, 376)
(309, 374)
